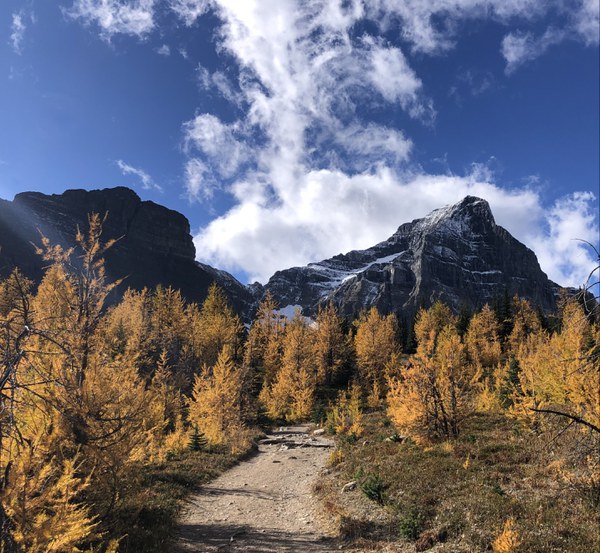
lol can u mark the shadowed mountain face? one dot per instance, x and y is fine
(154, 246)
(456, 254)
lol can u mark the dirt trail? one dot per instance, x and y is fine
(265, 503)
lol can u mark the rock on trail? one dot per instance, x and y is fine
(265, 503)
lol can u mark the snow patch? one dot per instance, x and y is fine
(289, 311)
(338, 276)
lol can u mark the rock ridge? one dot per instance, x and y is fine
(154, 245)
(457, 254)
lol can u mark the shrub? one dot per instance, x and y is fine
(410, 524)
(374, 488)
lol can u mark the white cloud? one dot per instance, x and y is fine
(519, 48)
(189, 10)
(200, 183)
(219, 82)
(370, 145)
(431, 26)
(390, 73)
(586, 22)
(17, 29)
(164, 50)
(582, 23)
(301, 81)
(570, 220)
(112, 17)
(331, 212)
(218, 142)
(146, 180)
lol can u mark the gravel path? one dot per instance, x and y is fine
(265, 503)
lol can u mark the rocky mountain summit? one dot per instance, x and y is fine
(154, 246)
(457, 254)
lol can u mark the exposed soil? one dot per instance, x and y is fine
(264, 504)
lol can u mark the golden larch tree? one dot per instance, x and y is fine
(375, 345)
(292, 394)
(214, 407)
(331, 345)
(431, 396)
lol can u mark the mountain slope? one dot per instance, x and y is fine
(456, 254)
(154, 247)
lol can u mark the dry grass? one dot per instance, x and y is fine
(151, 498)
(458, 496)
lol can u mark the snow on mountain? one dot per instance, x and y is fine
(457, 254)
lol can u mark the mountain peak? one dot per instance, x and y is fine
(471, 214)
(456, 254)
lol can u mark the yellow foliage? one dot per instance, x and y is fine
(526, 322)
(215, 403)
(345, 415)
(432, 395)
(330, 344)
(508, 540)
(292, 394)
(263, 352)
(375, 345)
(467, 462)
(336, 456)
(558, 373)
(487, 398)
(483, 344)
(218, 328)
(41, 499)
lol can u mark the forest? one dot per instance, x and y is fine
(97, 393)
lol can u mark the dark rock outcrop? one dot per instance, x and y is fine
(154, 247)
(456, 254)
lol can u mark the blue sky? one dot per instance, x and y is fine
(290, 131)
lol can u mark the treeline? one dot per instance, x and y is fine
(88, 391)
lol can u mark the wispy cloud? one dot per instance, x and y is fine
(218, 82)
(18, 28)
(190, 10)
(112, 17)
(582, 23)
(146, 180)
(164, 50)
(222, 144)
(519, 48)
(200, 182)
(570, 220)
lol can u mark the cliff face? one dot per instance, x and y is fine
(456, 254)
(154, 246)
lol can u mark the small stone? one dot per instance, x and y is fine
(319, 432)
(349, 486)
